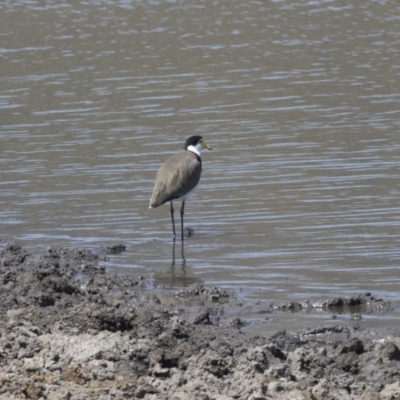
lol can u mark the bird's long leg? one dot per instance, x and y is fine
(182, 212)
(173, 222)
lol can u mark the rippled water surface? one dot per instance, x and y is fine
(299, 100)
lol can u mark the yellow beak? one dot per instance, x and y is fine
(204, 145)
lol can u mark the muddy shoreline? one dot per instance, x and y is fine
(104, 336)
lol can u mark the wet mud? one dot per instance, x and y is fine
(71, 331)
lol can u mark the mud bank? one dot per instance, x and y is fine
(69, 331)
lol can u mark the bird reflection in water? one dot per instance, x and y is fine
(180, 273)
(183, 263)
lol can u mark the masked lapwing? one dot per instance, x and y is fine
(178, 177)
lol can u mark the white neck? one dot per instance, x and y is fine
(195, 149)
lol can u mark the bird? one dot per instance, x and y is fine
(178, 177)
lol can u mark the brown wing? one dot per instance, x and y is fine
(176, 177)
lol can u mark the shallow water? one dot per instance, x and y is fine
(300, 102)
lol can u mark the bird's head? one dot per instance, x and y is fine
(196, 144)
